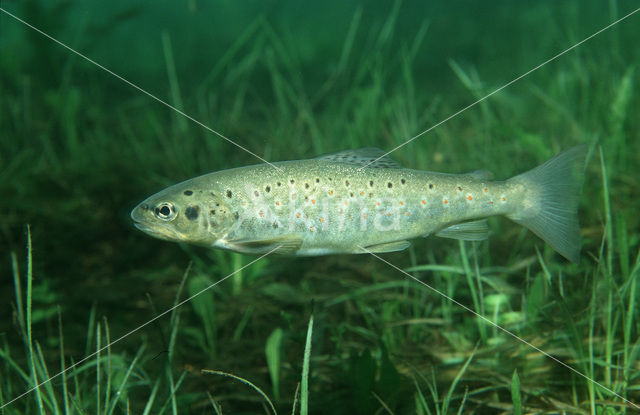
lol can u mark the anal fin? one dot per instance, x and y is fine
(388, 247)
(476, 230)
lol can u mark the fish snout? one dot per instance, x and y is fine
(138, 213)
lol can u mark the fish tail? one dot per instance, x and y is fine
(550, 206)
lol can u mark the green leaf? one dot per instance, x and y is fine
(515, 393)
(272, 351)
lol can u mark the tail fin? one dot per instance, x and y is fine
(551, 204)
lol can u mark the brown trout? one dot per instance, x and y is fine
(341, 204)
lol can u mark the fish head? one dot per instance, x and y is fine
(184, 213)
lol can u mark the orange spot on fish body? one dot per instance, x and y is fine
(446, 202)
(378, 203)
(364, 216)
(361, 193)
(401, 203)
(311, 229)
(293, 196)
(424, 202)
(321, 219)
(469, 197)
(330, 192)
(298, 215)
(408, 214)
(313, 201)
(346, 203)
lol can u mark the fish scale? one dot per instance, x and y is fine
(340, 207)
(355, 199)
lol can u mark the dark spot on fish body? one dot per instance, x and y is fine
(212, 211)
(275, 225)
(188, 192)
(292, 181)
(346, 183)
(389, 185)
(236, 215)
(430, 185)
(191, 212)
(267, 189)
(370, 183)
(278, 184)
(317, 180)
(403, 181)
(229, 194)
(306, 185)
(256, 193)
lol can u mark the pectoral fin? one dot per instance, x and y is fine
(388, 247)
(285, 244)
(477, 230)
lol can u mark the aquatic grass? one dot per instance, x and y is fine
(306, 363)
(442, 405)
(32, 362)
(475, 288)
(515, 393)
(273, 348)
(205, 307)
(174, 84)
(109, 385)
(246, 382)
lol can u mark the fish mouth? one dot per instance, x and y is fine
(137, 214)
(153, 229)
(143, 227)
(159, 232)
(141, 222)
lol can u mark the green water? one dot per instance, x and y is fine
(289, 80)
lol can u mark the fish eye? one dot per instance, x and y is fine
(165, 211)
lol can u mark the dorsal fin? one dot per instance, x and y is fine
(363, 157)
